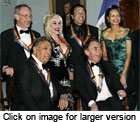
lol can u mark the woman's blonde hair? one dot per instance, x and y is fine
(47, 19)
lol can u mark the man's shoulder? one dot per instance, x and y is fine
(91, 26)
(7, 31)
(27, 64)
(68, 28)
(36, 33)
(106, 62)
(108, 66)
(67, 32)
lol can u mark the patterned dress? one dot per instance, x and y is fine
(59, 63)
(116, 51)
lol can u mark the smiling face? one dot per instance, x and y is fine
(24, 18)
(114, 17)
(55, 25)
(43, 51)
(94, 52)
(79, 15)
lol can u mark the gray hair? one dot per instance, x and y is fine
(40, 39)
(18, 8)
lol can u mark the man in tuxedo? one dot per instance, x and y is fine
(99, 86)
(17, 42)
(36, 87)
(76, 35)
(79, 32)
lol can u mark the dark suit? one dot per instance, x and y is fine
(77, 56)
(135, 55)
(77, 51)
(32, 91)
(87, 89)
(12, 54)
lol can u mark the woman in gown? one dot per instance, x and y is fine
(116, 43)
(60, 54)
(117, 47)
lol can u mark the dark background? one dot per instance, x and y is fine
(60, 5)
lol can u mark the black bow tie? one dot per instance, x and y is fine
(44, 66)
(97, 64)
(24, 31)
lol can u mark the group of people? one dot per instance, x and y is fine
(47, 69)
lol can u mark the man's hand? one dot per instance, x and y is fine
(71, 75)
(121, 93)
(94, 107)
(63, 102)
(9, 70)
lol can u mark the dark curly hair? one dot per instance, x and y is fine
(108, 12)
(73, 7)
(39, 39)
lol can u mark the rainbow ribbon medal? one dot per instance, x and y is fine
(93, 79)
(48, 78)
(21, 43)
(39, 70)
(77, 39)
(66, 54)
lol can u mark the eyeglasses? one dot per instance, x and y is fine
(26, 16)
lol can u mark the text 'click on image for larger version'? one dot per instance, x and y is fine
(58, 116)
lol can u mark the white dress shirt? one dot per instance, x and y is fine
(45, 73)
(105, 93)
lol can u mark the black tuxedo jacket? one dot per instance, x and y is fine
(77, 54)
(32, 91)
(136, 60)
(12, 54)
(87, 89)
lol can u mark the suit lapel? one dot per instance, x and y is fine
(86, 35)
(43, 78)
(15, 39)
(41, 75)
(106, 72)
(32, 36)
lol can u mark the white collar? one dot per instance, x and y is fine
(37, 61)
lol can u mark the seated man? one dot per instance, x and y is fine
(36, 88)
(98, 85)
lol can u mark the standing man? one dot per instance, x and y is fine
(17, 42)
(99, 86)
(36, 87)
(78, 33)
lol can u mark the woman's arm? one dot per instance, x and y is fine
(127, 61)
(104, 51)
